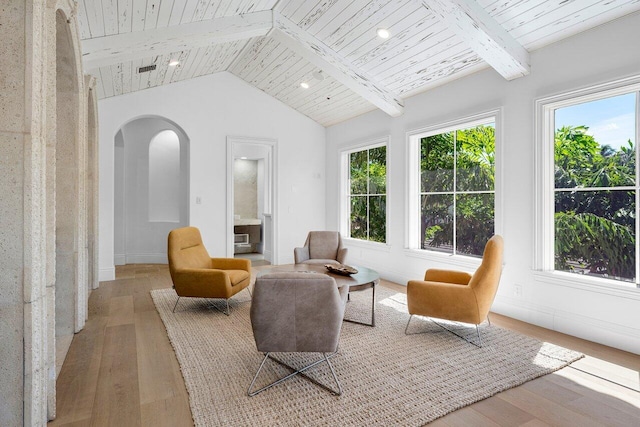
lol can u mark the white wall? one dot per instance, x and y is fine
(605, 53)
(209, 109)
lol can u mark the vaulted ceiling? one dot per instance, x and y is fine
(332, 45)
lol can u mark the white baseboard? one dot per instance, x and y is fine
(106, 274)
(119, 259)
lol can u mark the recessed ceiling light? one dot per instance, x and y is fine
(318, 75)
(243, 158)
(304, 85)
(174, 63)
(383, 33)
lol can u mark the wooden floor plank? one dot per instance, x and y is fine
(468, 416)
(591, 408)
(619, 374)
(545, 409)
(121, 311)
(552, 391)
(502, 412)
(142, 298)
(608, 394)
(158, 368)
(78, 380)
(535, 423)
(172, 412)
(117, 397)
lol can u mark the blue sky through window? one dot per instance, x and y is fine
(611, 121)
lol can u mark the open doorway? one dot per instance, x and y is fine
(251, 194)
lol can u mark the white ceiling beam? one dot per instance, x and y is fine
(326, 59)
(109, 50)
(483, 35)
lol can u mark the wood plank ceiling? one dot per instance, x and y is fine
(332, 45)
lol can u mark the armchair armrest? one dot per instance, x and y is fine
(231, 264)
(447, 276)
(442, 300)
(301, 254)
(342, 255)
(201, 282)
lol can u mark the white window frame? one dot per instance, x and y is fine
(345, 185)
(412, 196)
(544, 186)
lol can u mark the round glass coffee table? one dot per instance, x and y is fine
(365, 278)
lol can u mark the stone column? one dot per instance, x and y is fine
(23, 371)
(92, 180)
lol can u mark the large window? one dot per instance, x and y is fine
(367, 193)
(590, 142)
(457, 187)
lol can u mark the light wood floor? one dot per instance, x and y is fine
(122, 371)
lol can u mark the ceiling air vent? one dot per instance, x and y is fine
(146, 69)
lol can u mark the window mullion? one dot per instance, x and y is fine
(455, 188)
(368, 196)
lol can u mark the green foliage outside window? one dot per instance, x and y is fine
(368, 187)
(594, 230)
(457, 188)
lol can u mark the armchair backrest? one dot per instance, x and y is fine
(185, 249)
(297, 312)
(487, 277)
(323, 244)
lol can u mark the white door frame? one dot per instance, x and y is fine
(237, 146)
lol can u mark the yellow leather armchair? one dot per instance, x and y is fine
(456, 295)
(195, 274)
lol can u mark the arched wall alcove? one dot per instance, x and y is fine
(148, 203)
(66, 182)
(67, 259)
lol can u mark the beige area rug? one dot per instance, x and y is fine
(388, 378)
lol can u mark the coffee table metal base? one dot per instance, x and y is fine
(371, 285)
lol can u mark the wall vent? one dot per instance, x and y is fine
(146, 69)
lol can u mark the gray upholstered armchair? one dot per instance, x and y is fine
(297, 312)
(321, 247)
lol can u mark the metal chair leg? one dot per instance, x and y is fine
(296, 372)
(249, 392)
(335, 377)
(407, 327)
(227, 312)
(478, 344)
(174, 307)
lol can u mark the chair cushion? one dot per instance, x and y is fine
(237, 276)
(287, 309)
(323, 244)
(186, 249)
